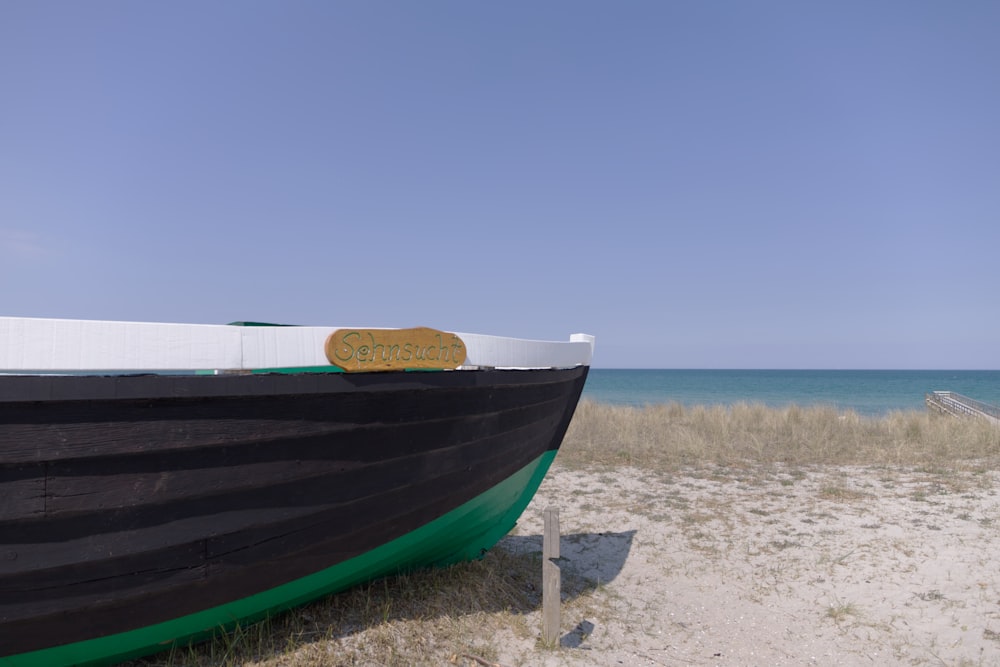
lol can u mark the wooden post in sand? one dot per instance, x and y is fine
(550, 577)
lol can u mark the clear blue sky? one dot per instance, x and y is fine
(774, 184)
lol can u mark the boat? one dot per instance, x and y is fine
(161, 482)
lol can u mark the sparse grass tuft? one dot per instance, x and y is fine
(841, 610)
(841, 494)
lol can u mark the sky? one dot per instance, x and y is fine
(710, 184)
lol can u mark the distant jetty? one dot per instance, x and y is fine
(948, 402)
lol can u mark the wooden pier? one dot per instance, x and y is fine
(948, 402)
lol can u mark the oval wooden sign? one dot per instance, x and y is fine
(357, 350)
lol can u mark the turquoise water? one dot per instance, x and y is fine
(872, 393)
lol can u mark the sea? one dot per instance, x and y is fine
(870, 393)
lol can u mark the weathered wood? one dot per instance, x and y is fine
(394, 349)
(156, 497)
(22, 491)
(551, 577)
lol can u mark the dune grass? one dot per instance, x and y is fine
(463, 615)
(670, 436)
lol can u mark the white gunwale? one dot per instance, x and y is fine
(70, 345)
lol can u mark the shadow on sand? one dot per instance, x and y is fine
(586, 561)
(594, 557)
(507, 579)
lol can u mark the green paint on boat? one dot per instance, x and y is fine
(324, 369)
(298, 369)
(259, 324)
(465, 533)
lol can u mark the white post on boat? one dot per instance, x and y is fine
(551, 581)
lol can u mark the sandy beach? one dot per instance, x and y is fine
(825, 565)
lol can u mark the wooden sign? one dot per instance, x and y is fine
(357, 350)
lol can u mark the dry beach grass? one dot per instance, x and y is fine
(702, 536)
(667, 437)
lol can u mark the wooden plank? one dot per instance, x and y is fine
(38, 344)
(282, 347)
(71, 586)
(22, 492)
(86, 522)
(36, 431)
(359, 350)
(164, 477)
(497, 352)
(551, 577)
(60, 344)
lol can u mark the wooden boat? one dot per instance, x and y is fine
(159, 482)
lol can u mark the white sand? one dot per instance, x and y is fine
(771, 566)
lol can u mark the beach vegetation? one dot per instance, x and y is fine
(465, 613)
(670, 437)
(841, 610)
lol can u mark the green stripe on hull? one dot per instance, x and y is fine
(465, 533)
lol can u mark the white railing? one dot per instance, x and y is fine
(962, 406)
